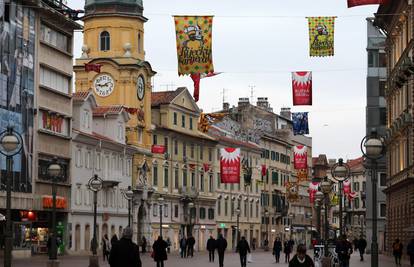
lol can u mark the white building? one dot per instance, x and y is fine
(98, 147)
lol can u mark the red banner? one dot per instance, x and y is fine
(48, 202)
(206, 167)
(313, 188)
(347, 187)
(158, 149)
(300, 157)
(230, 165)
(352, 3)
(264, 170)
(93, 67)
(302, 88)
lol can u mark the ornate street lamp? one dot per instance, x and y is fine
(129, 196)
(95, 185)
(340, 172)
(267, 229)
(373, 148)
(326, 187)
(190, 215)
(238, 230)
(161, 204)
(10, 144)
(53, 171)
(318, 203)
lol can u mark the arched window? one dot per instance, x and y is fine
(105, 41)
(139, 43)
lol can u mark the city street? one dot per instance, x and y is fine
(260, 258)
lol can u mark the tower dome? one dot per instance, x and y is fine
(113, 7)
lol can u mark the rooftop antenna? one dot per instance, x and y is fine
(223, 92)
(168, 85)
(252, 92)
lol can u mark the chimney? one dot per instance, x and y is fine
(264, 103)
(285, 112)
(226, 106)
(243, 101)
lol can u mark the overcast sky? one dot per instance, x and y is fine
(258, 43)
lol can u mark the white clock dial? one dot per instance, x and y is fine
(103, 85)
(140, 87)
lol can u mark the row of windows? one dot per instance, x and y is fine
(55, 38)
(156, 211)
(186, 149)
(111, 198)
(183, 121)
(54, 80)
(105, 41)
(275, 156)
(246, 208)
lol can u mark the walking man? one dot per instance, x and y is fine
(287, 250)
(243, 248)
(190, 244)
(211, 246)
(221, 248)
(410, 252)
(144, 244)
(183, 247)
(344, 251)
(361, 245)
(160, 251)
(125, 253)
(397, 249)
(277, 248)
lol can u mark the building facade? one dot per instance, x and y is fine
(399, 136)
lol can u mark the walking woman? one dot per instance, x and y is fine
(106, 247)
(159, 249)
(287, 250)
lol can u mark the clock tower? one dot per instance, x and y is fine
(113, 67)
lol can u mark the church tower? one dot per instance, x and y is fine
(113, 37)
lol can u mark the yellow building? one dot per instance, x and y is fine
(114, 48)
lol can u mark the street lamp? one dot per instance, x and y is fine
(95, 185)
(190, 215)
(340, 172)
(10, 144)
(267, 229)
(129, 195)
(53, 171)
(319, 197)
(326, 188)
(161, 203)
(238, 230)
(373, 148)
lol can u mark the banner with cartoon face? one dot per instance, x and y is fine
(300, 157)
(230, 165)
(321, 36)
(194, 52)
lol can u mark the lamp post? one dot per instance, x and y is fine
(340, 172)
(190, 215)
(326, 188)
(373, 148)
(319, 197)
(53, 170)
(161, 203)
(129, 195)
(95, 185)
(10, 144)
(238, 230)
(267, 229)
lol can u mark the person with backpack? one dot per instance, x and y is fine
(397, 250)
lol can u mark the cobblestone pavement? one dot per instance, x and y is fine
(260, 258)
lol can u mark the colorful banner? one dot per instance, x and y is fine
(300, 157)
(302, 175)
(321, 36)
(206, 167)
(158, 149)
(352, 195)
(302, 88)
(352, 3)
(347, 187)
(207, 119)
(93, 67)
(230, 165)
(193, 34)
(300, 123)
(196, 77)
(264, 170)
(313, 188)
(292, 191)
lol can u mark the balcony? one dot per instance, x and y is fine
(188, 192)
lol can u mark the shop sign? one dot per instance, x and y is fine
(222, 225)
(54, 123)
(47, 202)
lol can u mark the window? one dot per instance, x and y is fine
(86, 119)
(218, 154)
(201, 152)
(88, 163)
(356, 203)
(175, 147)
(211, 214)
(201, 182)
(166, 144)
(155, 210)
(272, 155)
(275, 178)
(245, 208)
(105, 41)
(251, 209)
(382, 60)
(193, 179)
(219, 207)
(184, 149)
(54, 80)
(202, 213)
(165, 210)
(372, 59)
(226, 207)
(191, 123)
(184, 177)
(166, 170)
(120, 132)
(192, 151)
(155, 175)
(176, 178)
(176, 211)
(43, 165)
(218, 180)
(383, 210)
(54, 38)
(383, 116)
(139, 43)
(210, 154)
(175, 118)
(382, 88)
(356, 186)
(139, 133)
(257, 210)
(183, 121)
(154, 139)
(211, 183)
(364, 186)
(277, 156)
(382, 179)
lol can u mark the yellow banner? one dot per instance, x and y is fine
(193, 34)
(321, 36)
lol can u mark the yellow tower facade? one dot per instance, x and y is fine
(113, 66)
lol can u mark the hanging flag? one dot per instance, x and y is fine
(352, 3)
(302, 88)
(158, 149)
(93, 67)
(207, 119)
(206, 167)
(292, 191)
(196, 77)
(193, 35)
(313, 188)
(264, 170)
(347, 186)
(321, 36)
(302, 175)
(300, 157)
(230, 165)
(300, 123)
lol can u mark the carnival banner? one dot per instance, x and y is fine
(292, 191)
(313, 188)
(194, 51)
(347, 187)
(264, 170)
(321, 36)
(352, 3)
(230, 165)
(300, 157)
(196, 77)
(207, 119)
(302, 88)
(300, 123)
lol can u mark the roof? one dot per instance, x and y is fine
(107, 110)
(231, 140)
(81, 95)
(97, 136)
(320, 160)
(356, 164)
(165, 97)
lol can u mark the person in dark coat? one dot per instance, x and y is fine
(183, 247)
(344, 250)
(397, 249)
(254, 243)
(160, 251)
(221, 245)
(144, 244)
(410, 252)
(361, 246)
(190, 245)
(277, 248)
(287, 250)
(243, 248)
(125, 253)
(106, 247)
(301, 259)
(211, 246)
(114, 239)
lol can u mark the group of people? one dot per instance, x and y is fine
(287, 249)
(107, 245)
(187, 246)
(397, 251)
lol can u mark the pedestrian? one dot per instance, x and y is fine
(397, 249)
(287, 250)
(159, 249)
(211, 246)
(301, 259)
(291, 244)
(144, 244)
(190, 245)
(183, 247)
(254, 243)
(105, 247)
(277, 248)
(221, 245)
(114, 239)
(169, 245)
(125, 253)
(361, 245)
(344, 250)
(410, 252)
(243, 248)
(355, 243)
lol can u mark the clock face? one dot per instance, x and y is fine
(140, 88)
(103, 85)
